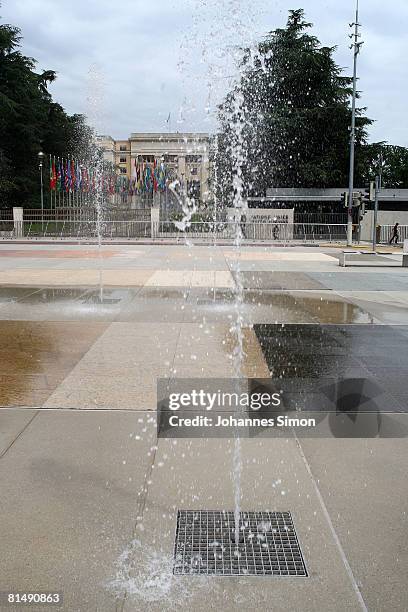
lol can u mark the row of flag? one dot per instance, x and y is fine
(71, 176)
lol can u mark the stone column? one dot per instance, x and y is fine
(204, 175)
(405, 254)
(154, 222)
(18, 222)
(181, 169)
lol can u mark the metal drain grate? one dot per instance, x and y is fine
(268, 546)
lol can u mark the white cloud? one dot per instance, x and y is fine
(174, 55)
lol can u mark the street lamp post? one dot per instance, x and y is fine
(356, 48)
(40, 159)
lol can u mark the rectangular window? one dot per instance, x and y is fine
(123, 170)
(122, 160)
(122, 148)
(193, 159)
(171, 159)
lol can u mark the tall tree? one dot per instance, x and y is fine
(390, 161)
(288, 117)
(30, 121)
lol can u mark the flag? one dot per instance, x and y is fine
(73, 180)
(67, 175)
(155, 176)
(162, 177)
(58, 175)
(78, 176)
(53, 178)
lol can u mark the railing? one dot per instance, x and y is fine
(87, 214)
(204, 230)
(258, 232)
(6, 214)
(83, 229)
(6, 222)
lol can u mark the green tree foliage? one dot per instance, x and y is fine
(390, 161)
(29, 122)
(288, 116)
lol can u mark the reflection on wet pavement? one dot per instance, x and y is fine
(52, 294)
(12, 294)
(46, 331)
(304, 353)
(323, 307)
(36, 356)
(191, 303)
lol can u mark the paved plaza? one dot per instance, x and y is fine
(90, 495)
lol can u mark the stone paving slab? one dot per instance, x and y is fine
(35, 357)
(12, 424)
(121, 368)
(385, 308)
(369, 509)
(193, 476)
(188, 278)
(74, 483)
(362, 281)
(262, 280)
(62, 519)
(274, 255)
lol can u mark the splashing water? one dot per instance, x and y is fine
(95, 102)
(218, 27)
(146, 575)
(143, 572)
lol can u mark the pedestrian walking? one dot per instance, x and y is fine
(243, 226)
(395, 235)
(275, 229)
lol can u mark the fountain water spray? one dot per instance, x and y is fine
(217, 28)
(95, 100)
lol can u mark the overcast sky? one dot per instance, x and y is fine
(128, 64)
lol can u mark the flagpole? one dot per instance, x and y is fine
(69, 189)
(54, 180)
(59, 190)
(53, 184)
(63, 182)
(50, 181)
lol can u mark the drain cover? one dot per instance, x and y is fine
(268, 544)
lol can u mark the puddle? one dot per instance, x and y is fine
(158, 293)
(109, 296)
(51, 294)
(12, 294)
(211, 296)
(315, 307)
(299, 353)
(36, 356)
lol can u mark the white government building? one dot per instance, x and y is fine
(186, 155)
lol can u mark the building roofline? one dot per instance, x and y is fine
(165, 135)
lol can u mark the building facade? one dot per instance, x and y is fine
(185, 155)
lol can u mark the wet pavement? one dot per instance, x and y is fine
(85, 335)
